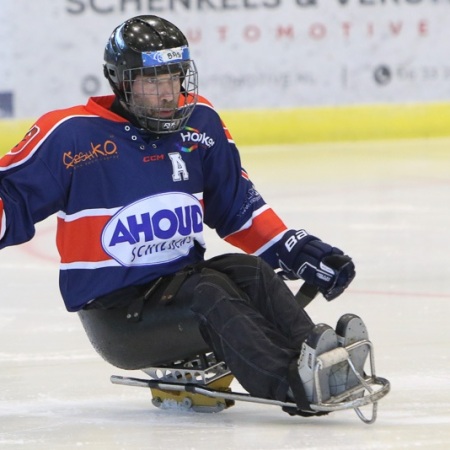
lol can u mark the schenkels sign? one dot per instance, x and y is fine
(164, 6)
(250, 53)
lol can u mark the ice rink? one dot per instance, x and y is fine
(385, 203)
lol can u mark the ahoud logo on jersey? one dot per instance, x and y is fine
(154, 230)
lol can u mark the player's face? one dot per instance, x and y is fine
(158, 93)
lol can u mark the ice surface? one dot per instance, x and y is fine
(385, 203)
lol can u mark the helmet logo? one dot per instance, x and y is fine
(165, 56)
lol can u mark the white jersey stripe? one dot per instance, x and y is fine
(2, 223)
(269, 244)
(89, 265)
(248, 224)
(95, 212)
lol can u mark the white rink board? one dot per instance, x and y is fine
(250, 53)
(384, 203)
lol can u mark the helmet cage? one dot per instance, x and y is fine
(158, 115)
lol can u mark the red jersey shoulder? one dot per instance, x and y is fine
(37, 134)
(203, 101)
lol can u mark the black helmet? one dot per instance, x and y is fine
(149, 46)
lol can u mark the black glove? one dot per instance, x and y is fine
(301, 255)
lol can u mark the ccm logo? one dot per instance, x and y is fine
(153, 158)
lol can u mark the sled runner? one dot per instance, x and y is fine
(202, 385)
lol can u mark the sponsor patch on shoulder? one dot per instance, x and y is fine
(154, 230)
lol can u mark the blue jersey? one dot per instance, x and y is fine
(130, 206)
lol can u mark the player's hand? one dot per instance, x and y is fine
(304, 256)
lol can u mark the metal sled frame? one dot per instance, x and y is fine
(202, 384)
(369, 390)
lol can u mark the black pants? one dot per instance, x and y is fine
(245, 313)
(251, 319)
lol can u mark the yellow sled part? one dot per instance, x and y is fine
(193, 401)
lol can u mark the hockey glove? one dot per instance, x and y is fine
(304, 256)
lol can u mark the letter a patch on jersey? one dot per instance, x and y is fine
(179, 170)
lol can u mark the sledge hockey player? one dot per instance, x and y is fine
(133, 177)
